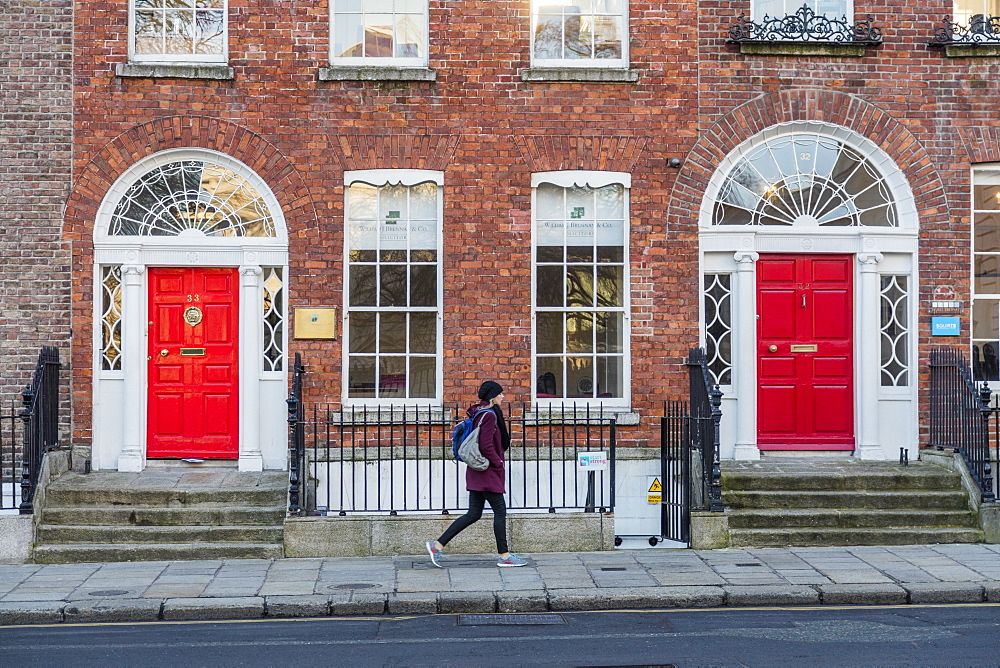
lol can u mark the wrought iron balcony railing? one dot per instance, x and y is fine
(981, 29)
(806, 25)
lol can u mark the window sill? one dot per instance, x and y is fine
(831, 49)
(377, 74)
(217, 72)
(591, 74)
(972, 50)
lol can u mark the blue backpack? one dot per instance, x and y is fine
(461, 431)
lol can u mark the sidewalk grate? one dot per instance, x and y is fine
(109, 592)
(510, 620)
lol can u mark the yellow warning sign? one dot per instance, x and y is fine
(656, 486)
(655, 493)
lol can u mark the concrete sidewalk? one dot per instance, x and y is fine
(634, 579)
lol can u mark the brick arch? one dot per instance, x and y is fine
(982, 143)
(220, 135)
(786, 106)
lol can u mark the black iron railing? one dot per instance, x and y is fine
(806, 25)
(11, 447)
(981, 30)
(960, 416)
(399, 460)
(39, 417)
(689, 452)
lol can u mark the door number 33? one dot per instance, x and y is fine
(194, 298)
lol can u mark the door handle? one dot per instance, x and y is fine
(164, 352)
(772, 349)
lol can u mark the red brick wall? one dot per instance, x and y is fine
(35, 171)
(479, 123)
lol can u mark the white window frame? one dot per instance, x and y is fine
(367, 61)
(178, 58)
(592, 179)
(377, 178)
(991, 174)
(793, 6)
(603, 63)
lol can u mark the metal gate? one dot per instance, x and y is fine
(689, 452)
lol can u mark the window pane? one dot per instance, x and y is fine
(988, 232)
(392, 333)
(148, 32)
(607, 37)
(549, 203)
(548, 33)
(348, 33)
(391, 377)
(549, 333)
(610, 332)
(423, 333)
(985, 321)
(580, 377)
(393, 203)
(987, 278)
(409, 36)
(347, 5)
(550, 377)
(579, 333)
(423, 201)
(986, 197)
(422, 377)
(610, 280)
(610, 377)
(580, 254)
(580, 285)
(550, 286)
(361, 377)
(209, 34)
(362, 200)
(378, 35)
(362, 332)
(550, 253)
(578, 34)
(423, 285)
(180, 33)
(611, 202)
(392, 287)
(362, 285)
(610, 254)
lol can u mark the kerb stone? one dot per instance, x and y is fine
(31, 612)
(313, 605)
(470, 602)
(529, 600)
(246, 607)
(862, 594)
(114, 610)
(754, 595)
(412, 603)
(946, 592)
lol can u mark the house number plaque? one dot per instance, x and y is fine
(192, 315)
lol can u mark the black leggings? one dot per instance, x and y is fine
(476, 502)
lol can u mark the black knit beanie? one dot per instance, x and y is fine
(489, 389)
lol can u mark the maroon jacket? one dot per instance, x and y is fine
(492, 479)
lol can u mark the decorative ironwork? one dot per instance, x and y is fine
(805, 180)
(894, 332)
(111, 318)
(192, 195)
(40, 415)
(982, 29)
(806, 25)
(274, 319)
(297, 439)
(719, 326)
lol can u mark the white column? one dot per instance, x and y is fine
(870, 362)
(745, 355)
(250, 368)
(133, 456)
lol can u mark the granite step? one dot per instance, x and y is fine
(849, 519)
(75, 554)
(142, 516)
(95, 535)
(874, 500)
(836, 537)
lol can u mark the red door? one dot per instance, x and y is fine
(193, 364)
(805, 370)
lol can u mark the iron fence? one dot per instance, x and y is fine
(356, 460)
(26, 434)
(960, 416)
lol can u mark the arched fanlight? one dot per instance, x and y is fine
(194, 197)
(805, 180)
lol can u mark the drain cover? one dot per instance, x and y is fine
(355, 585)
(745, 565)
(616, 568)
(109, 592)
(510, 620)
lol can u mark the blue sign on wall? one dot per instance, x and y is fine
(944, 326)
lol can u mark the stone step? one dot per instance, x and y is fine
(848, 537)
(187, 516)
(910, 500)
(114, 535)
(63, 497)
(850, 519)
(76, 554)
(932, 478)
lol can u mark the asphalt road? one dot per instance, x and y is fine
(960, 635)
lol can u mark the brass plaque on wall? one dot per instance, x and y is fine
(316, 323)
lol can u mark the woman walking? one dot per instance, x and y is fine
(485, 486)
